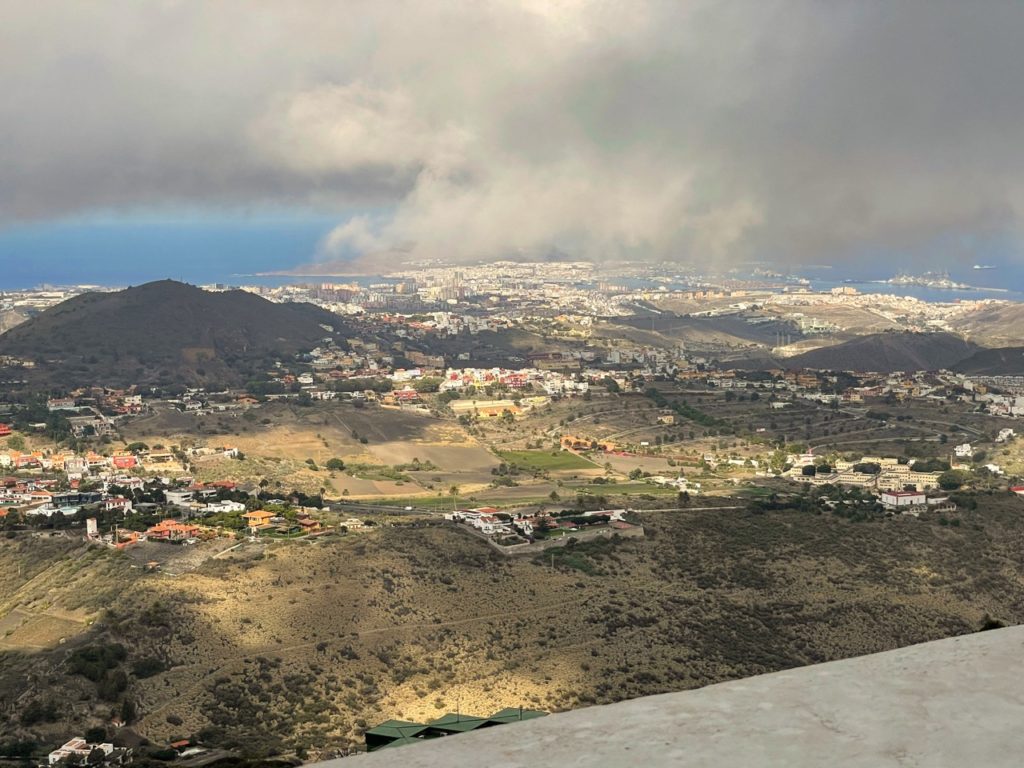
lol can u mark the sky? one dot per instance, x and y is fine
(707, 132)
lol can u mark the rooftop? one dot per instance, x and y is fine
(952, 702)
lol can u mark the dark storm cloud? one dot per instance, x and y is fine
(683, 130)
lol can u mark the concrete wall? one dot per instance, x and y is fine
(948, 704)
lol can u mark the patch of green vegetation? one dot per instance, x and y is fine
(545, 461)
(101, 664)
(604, 490)
(583, 556)
(377, 472)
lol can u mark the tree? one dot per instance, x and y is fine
(809, 471)
(636, 473)
(951, 479)
(335, 465)
(427, 384)
(16, 443)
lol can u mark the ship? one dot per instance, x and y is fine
(983, 266)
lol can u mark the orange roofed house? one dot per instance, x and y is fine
(259, 518)
(172, 530)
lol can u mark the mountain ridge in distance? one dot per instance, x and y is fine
(164, 332)
(1002, 361)
(886, 352)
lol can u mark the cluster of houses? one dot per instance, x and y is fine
(489, 521)
(90, 464)
(93, 412)
(898, 487)
(110, 489)
(827, 387)
(79, 752)
(259, 520)
(551, 382)
(892, 475)
(681, 483)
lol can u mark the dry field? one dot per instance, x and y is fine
(279, 439)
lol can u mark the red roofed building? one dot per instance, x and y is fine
(172, 530)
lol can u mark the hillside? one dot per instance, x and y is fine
(164, 332)
(1000, 325)
(11, 318)
(994, 362)
(299, 645)
(889, 352)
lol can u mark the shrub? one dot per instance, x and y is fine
(39, 711)
(147, 667)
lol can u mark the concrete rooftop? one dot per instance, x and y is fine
(956, 702)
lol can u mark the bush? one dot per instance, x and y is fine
(147, 667)
(113, 685)
(93, 661)
(18, 748)
(39, 711)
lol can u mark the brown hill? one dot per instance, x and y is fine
(164, 332)
(281, 646)
(1000, 325)
(1005, 361)
(888, 353)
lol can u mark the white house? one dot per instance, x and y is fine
(964, 451)
(897, 499)
(224, 506)
(179, 497)
(118, 504)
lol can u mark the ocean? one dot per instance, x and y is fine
(122, 254)
(231, 251)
